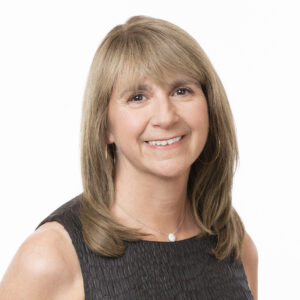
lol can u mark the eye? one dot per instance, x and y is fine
(183, 91)
(136, 98)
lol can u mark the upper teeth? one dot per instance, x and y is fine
(166, 142)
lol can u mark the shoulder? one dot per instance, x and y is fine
(49, 258)
(250, 263)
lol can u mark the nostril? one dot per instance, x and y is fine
(164, 115)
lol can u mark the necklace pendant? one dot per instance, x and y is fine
(171, 237)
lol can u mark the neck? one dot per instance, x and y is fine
(157, 202)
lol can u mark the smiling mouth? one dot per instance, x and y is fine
(165, 142)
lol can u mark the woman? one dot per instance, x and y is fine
(159, 151)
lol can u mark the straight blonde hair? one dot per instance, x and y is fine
(146, 46)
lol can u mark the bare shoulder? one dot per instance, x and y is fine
(45, 267)
(250, 262)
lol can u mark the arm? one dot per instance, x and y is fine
(44, 267)
(250, 262)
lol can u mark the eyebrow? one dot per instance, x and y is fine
(172, 85)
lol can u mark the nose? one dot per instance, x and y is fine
(164, 112)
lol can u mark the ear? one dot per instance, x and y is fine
(109, 137)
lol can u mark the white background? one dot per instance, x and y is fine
(46, 50)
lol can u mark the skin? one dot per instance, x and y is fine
(155, 193)
(45, 267)
(250, 262)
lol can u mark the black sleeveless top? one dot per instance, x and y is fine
(154, 270)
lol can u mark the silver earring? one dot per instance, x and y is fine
(106, 151)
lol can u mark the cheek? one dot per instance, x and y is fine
(198, 118)
(125, 125)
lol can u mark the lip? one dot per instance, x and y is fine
(165, 139)
(167, 147)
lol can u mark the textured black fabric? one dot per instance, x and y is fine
(154, 270)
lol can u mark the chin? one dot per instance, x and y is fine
(170, 172)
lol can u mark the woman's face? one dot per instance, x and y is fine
(158, 129)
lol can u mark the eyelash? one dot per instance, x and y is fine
(131, 98)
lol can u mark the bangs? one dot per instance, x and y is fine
(148, 55)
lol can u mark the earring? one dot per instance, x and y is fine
(105, 152)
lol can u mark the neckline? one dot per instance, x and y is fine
(169, 242)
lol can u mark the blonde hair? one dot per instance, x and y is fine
(146, 46)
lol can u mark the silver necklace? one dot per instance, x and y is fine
(171, 236)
